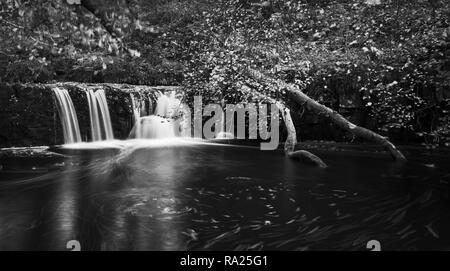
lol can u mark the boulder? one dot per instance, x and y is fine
(307, 158)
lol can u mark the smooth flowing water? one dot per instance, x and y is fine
(154, 127)
(176, 194)
(162, 124)
(222, 134)
(100, 119)
(167, 105)
(68, 116)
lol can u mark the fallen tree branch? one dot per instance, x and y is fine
(333, 115)
(291, 140)
(92, 7)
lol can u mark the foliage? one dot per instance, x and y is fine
(45, 40)
(394, 55)
(387, 58)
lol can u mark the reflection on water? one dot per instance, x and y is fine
(209, 197)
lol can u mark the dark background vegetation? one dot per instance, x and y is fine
(382, 63)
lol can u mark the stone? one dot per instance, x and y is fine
(307, 158)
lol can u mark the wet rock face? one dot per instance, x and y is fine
(29, 116)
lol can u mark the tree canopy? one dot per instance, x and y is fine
(394, 55)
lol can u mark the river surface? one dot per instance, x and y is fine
(217, 197)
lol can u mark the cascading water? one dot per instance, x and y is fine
(222, 134)
(166, 106)
(68, 116)
(103, 105)
(162, 124)
(99, 115)
(136, 107)
(139, 108)
(141, 105)
(154, 127)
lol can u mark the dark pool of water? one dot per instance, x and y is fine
(224, 198)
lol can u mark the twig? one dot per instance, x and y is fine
(13, 24)
(1, 52)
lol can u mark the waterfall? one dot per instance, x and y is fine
(161, 125)
(222, 134)
(99, 115)
(136, 107)
(154, 127)
(103, 105)
(68, 116)
(136, 104)
(167, 105)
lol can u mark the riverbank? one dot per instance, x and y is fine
(43, 155)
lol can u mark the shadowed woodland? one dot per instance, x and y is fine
(382, 64)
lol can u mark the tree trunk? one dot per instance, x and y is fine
(334, 116)
(94, 7)
(291, 140)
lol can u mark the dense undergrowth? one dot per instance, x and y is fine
(388, 60)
